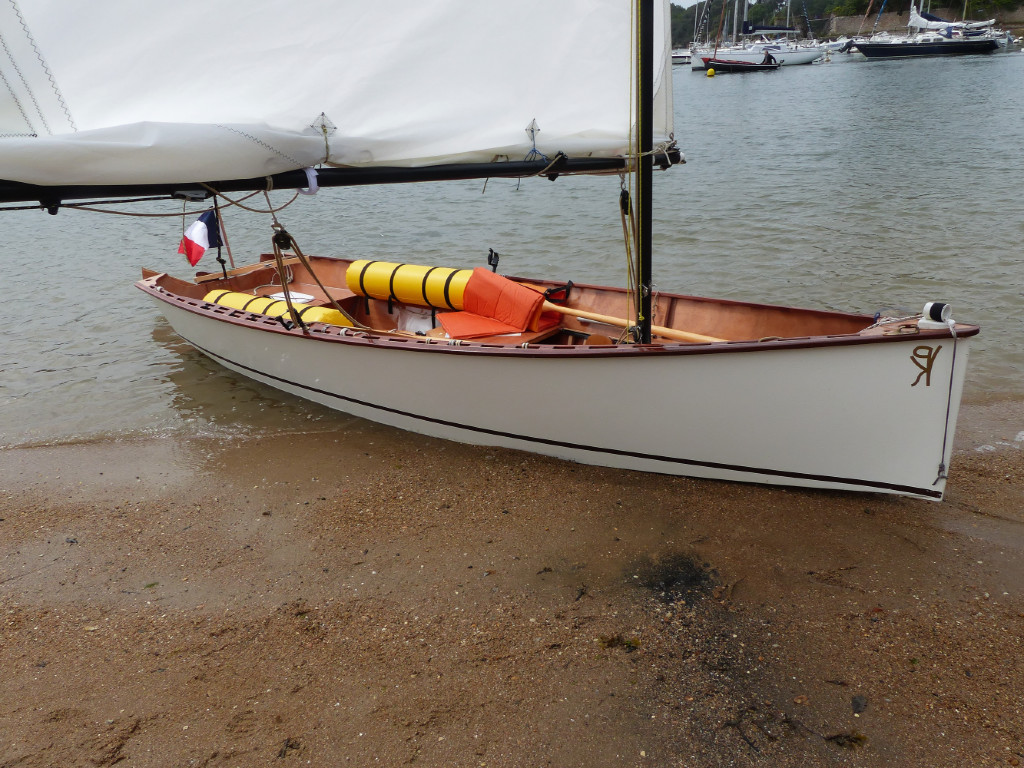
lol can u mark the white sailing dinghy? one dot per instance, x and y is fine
(716, 389)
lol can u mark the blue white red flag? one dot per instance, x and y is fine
(203, 234)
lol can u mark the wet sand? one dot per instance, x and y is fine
(301, 601)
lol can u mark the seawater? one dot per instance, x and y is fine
(849, 185)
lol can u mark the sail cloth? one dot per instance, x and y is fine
(929, 21)
(122, 92)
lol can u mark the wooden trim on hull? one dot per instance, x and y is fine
(335, 334)
(853, 483)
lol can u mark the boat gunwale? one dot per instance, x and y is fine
(383, 340)
(266, 262)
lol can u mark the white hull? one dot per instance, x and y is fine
(820, 415)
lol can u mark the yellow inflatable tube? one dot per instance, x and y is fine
(262, 305)
(437, 287)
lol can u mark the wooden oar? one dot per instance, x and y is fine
(657, 330)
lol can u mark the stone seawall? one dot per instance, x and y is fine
(897, 22)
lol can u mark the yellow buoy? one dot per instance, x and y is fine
(711, 72)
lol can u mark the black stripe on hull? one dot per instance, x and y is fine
(859, 484)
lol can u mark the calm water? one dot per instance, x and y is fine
(849, 185)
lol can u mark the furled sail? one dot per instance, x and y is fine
(928, 21)
(117, 92)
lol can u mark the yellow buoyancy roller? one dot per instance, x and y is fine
(262, 305)
(438, 287)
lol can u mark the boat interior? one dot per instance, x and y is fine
(571, 313)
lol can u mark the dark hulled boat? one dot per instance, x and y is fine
(934, 37)
(731, 65)
(927, 45)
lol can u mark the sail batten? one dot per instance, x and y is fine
(108, 92)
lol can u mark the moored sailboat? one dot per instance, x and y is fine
(933, 36)
(712, 64)
(753, 53)
(624, 377)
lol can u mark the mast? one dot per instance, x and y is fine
(878, 17)
(645, 117)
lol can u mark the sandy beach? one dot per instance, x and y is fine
(298, 601)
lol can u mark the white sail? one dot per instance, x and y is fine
(917, 21)
(122, 92)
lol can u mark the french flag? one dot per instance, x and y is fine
(203, 234)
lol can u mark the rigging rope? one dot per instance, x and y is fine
(283, 240)
(265, 192)
(89, 207)
(629, 240)
(279, 261)
(224, 236)
(271, 209)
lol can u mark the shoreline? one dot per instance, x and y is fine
(246, 601)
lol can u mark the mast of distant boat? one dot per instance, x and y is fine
(878, 17)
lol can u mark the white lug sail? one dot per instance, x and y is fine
(121, 92)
